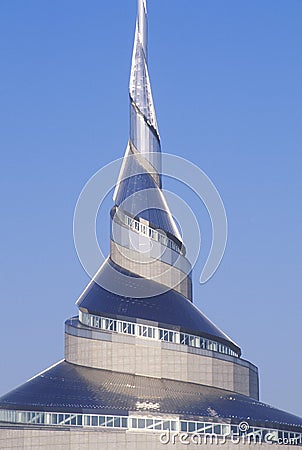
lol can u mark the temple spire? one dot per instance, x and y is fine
(142, 25)
(140, 87)
(138, 190)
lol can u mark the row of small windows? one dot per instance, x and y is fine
(252, 434)
(206, 428)
(147, 231)
(150, 332)
(47, 418)
(146, 424)
(87, 420)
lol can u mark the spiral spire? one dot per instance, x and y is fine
(138, 190)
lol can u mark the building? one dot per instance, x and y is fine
(143, 367)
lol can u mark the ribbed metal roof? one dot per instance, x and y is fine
(168, 309)
(69, 388)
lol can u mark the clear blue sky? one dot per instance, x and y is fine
(226, 78)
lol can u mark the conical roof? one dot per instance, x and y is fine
(139, 195)
(75, 389)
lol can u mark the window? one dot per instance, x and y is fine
(79, 420)
(94, 421)
(217, 429)
(149, 423)
(157, 425)
(102, 421)
(225, 429)
(110, 421)
(153, 333)
(124, 422)
(166, 425)
(192, 427)
(73, 420)
(117, 422)
(173, 425)
(141, 423)
(184, 426)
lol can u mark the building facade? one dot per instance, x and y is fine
(143, 367)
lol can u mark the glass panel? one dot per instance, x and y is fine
(149, 423)
(173, 425)
(166, 425)
(225, 429)
(124, 422)
(79, 420)
(150, 332)
(184, 426)
(102, 421)
(158, 425)
(94, 421)
(73, 420)
(200, 427)
(109, 421)
(208, 428)
(217, 429)
(141, 423)
(192, 427)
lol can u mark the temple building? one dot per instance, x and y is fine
(143, 367)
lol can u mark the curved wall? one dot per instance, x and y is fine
(20, 438)
(131, 354)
